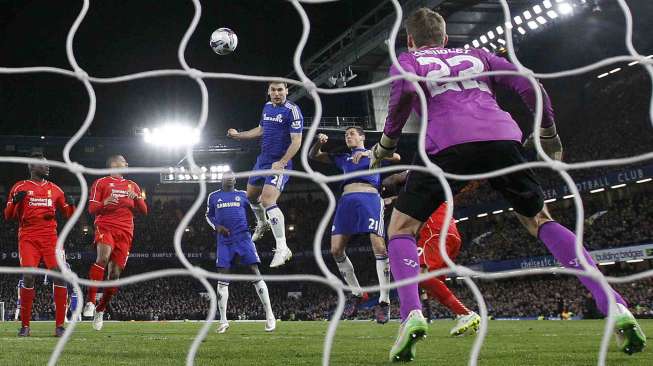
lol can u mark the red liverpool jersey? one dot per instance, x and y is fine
(117, 215)
(36, 213)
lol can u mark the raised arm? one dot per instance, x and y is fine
(252, 134)
(316, 152)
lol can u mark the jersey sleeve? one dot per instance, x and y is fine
(60, 202)
(521, 86)
(210, 211)
(10, 208)
(296, 119)
(139, 202)
(402, 96)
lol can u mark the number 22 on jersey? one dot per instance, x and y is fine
(474, 66)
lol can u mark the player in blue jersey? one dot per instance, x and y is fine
(359, 211)
(226, 214)
(280, 130)
(18, 287)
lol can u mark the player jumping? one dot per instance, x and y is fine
(280, 130)
(430, 259)
(359, 211)
(468, 133)
(226, 214)
(113, 201)
(33, 203)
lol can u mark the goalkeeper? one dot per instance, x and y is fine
(468, 133)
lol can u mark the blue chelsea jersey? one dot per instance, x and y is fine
(345, 163)
(229, 210)
(278, 122)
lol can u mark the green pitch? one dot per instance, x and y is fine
(546, 343)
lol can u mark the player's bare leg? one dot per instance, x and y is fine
(263, 294)
(114, 272)
(382, 310)
(96, 273)
(269, 196)
(223, 298)
(262, 224)
(346, 268)
(404, 263)
(26, 300)
(561, 242)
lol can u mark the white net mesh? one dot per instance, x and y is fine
(328, 279)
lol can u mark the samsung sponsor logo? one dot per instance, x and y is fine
(277, 118)
(227, 204)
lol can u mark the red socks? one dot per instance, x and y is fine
(26, 299)
(60, 299)
(436, 289)
(106, 298)
(96, 273)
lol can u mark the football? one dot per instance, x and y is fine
(223, 41)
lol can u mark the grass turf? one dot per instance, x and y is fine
(300, 343)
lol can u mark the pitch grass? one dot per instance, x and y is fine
(546, 343)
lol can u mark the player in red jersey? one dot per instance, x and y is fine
(431, 260)
(33, 203)
(113, 201)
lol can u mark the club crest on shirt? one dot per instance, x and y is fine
(237, 198)
(49, 193)
(111, 184)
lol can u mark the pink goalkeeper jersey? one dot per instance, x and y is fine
(463, 111)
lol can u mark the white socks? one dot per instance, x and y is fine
(259, 212)
(346, 269)
(262, 291)
(223, 297)
(383, 272)
(278, 225)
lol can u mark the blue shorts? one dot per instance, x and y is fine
(240, 245)
(279, 181)
(357, 213)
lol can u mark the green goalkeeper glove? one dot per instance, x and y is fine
(550, 141)
(384, 149)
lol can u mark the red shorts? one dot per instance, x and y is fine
(32, 249)
(119, 240)
(429, 242)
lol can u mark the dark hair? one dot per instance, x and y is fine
(37, 155)
(278, 82)
(359, 130)
(426, 27)
(111, 159)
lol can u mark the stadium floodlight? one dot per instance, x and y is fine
(541, 20)
(490, 35)
(565, 8)
(172, 135)
(615, 70)
(533, 24)
(537, 9)
(547, 4)
(475, 43)
(499, 30)
(552, 14)
(518, 20)
(633, 63)
(493, 46)
(527, 15)
(521, 30)
(483, 39)
(602, 75)
(466, 46)
(500, 40)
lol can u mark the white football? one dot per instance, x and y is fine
(224, 41)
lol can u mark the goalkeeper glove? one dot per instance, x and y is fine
(550, 141)
(385, 148)
(18, 196)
